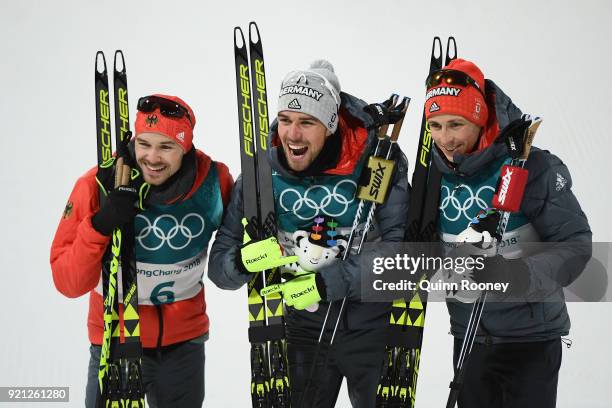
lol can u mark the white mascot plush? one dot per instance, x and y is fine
(314, 251)
(480, 238)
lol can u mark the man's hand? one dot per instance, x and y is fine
(514, 135)
(118, 209)
(257, 256)
(384, 113)
(300, 292)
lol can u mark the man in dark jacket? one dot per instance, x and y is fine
(320, 144)
(517, 355)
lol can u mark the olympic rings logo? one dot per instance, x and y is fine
(186, 232)
(474, 199)
(326, 205)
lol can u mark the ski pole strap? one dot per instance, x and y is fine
(261, 334)
(379, 169)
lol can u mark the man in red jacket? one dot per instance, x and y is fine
(184, 206)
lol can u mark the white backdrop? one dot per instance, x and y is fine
(551, 57)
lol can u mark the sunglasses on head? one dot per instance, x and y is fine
(451, 77)
(166, 107)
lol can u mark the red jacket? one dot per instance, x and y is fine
(76, 256)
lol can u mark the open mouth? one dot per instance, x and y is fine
(155, 169)
(297, 150)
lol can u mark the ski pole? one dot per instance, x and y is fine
(403, 107)
(518, 160)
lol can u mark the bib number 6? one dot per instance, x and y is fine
(159, 296)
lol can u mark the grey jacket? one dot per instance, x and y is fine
(342, 279)
(553, 216)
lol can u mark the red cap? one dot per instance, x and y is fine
(466, 101)
(178, 129)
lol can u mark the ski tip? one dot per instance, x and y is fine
(238, 34)
(450, 44)
(436, 48)
(100, 59)
(253, 29)
(120, 54)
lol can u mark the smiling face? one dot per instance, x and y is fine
(302, 137)
(453, 134)
(158, 156)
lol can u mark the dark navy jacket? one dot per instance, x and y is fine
(549, 213)
(342, 279)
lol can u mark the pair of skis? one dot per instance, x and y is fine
(119, 376)
(269, 373)
(400, 371)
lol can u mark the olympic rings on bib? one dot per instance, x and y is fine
(333, 203)
(447, 197)
(180, 229)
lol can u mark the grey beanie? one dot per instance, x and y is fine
(314, 91)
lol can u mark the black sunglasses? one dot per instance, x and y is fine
(451, 77)
(166, 107)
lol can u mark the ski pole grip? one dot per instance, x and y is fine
(118, 172)
(530, 134)
(125, 176)
(398, 126)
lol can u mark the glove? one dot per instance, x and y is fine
(106, 171)
(300, 292)
(384, 113)
(514, 134)
(123, 150)
(118, 209)
(257, 256)
(498, 269)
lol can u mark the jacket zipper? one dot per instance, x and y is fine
(160, 319)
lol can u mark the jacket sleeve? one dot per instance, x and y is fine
(222, 269)
(225, 182)
(343, 279)
(77, 248)
(555, 213)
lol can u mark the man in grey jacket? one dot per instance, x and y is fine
(320, 142)
(516, 358)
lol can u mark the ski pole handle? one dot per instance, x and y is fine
(118, 172)
(122, 173)
(398, 125)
